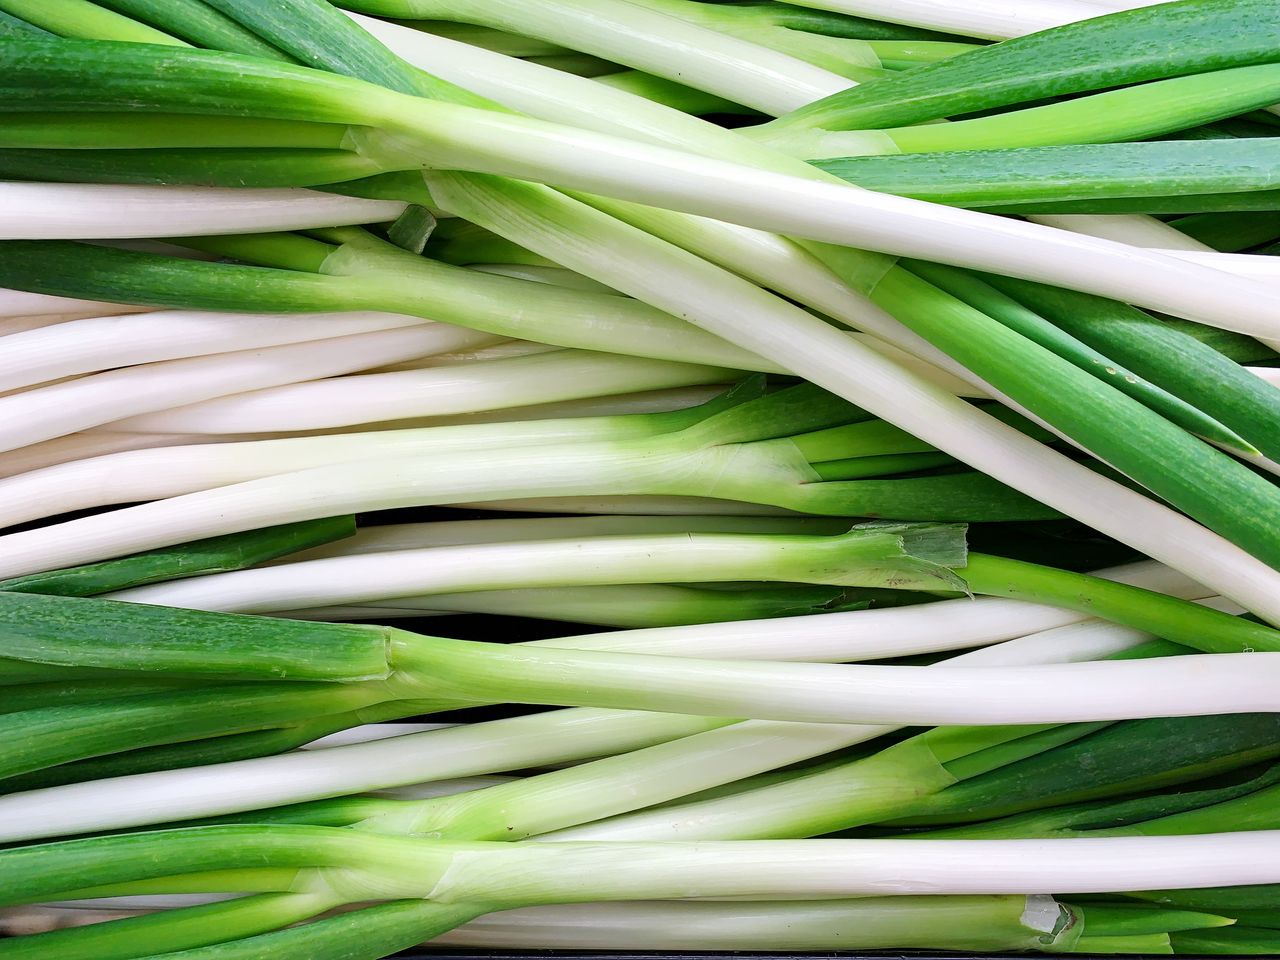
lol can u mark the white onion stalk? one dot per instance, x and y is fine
(679, 462)
(684, 557)
(1136, 229)
(394, 479)
(767, 810)
(458, 388)
(727, 754)
(395, 868)
(383, 614)
(63, 408)
(173, 470)
(90, 444)
(804, 358)
(15, 325)
(632, 556)
(988, 19)
(517, 743)
(643, 401)
(797, 869)
(1197, 685)
(925, 369)
(81, 211)
(20, 303)
(946, 923)
(656, 43)
(1144, 231)
(840, 55)
(733, 753)
(448, 533)
(672, 506)
(503, 350)
(859, 635)
(97, 442)
(1262, 268)
(561, 736)
(979, 923)
(88, 345)
(481, 141)
(370, 732)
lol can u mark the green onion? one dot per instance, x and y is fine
(1166, 356)
(1079, 404)
(1125, 758)
(635, 605)
(1036, 328)
(83, 346)
(979, 18)
(1166, 176)
(80, 18)
(1230, 231)
(813, 209)
(888, 556)
(1244, 804)
(1127, 113)
(843, 56)
(1233, 941)
(1194, 36)
(837, 25)
(776, 208)
(435, 391)
(645, 39)
(116, 210)
(702, 460)
(512, 874)
(361, 272)
(479, 748)
(196, 23)
(378, 666)
(541, 275)
(11, 26)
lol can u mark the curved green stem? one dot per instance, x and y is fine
(1190, 624)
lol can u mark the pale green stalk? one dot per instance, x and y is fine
(62, 408)
(135, 475)
(56, 349)
(869, 555)
(124, 211)
(645, 39)
(940, 923)
(989, 19)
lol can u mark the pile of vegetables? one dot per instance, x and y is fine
(639, 475)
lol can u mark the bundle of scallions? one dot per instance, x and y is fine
(639, 475)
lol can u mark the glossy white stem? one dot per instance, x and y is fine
(87, 211)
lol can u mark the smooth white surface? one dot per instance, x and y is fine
(447, 390)
(656, 43)
(63, 408)
(84, 211)
(92, 344)
(989, 19)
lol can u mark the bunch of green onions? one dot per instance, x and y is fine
(893, 384)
